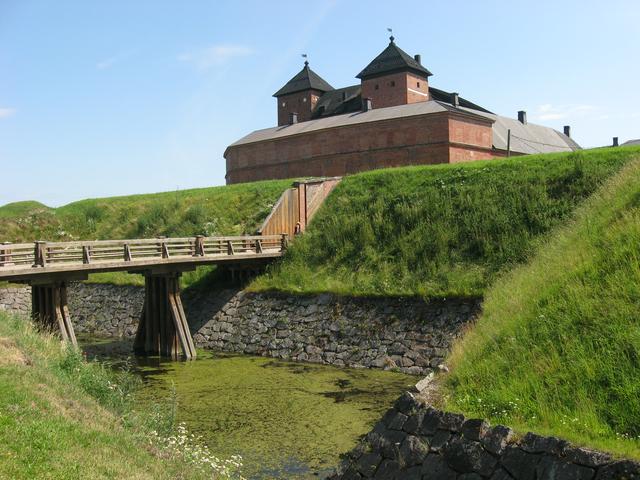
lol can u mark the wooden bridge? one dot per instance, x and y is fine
(163, 328)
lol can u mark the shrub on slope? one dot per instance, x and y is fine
(557, 348)
(438, 230)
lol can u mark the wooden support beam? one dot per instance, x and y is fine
(163, 329)
(50, 310)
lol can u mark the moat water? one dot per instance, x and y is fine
(286, 419)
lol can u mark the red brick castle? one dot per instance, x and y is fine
(391, 118)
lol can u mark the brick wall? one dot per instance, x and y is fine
(395, 89)
(417, 89)
(418, 140)
(301, 103)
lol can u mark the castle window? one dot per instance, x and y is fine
(304, 100)
(376, 87)
(418, 84)
(284, 104)
(393, 83)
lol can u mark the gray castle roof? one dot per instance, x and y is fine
(305, 79)
(393, 59)
(349, 99)
(525, 138)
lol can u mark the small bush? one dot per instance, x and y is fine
(114, 389)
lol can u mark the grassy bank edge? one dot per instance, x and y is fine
(513, 305)
(65, 418)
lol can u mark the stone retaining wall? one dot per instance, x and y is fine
(414, 441)
(16, 300)
(408, 334)
(98, 309)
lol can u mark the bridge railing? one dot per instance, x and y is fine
(43, 254)
(16, 254)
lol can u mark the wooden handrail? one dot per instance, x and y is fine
(42, 254)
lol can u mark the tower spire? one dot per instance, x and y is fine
(391, 38)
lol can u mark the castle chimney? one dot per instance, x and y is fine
(522, 117)
(366, 104)
(567, 130)
(615, 141)
(455, 99)
(293, 118)
(417, 58)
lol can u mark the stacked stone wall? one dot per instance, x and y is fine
(406, 334)
(414, 441)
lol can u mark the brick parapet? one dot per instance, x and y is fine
(415, 140)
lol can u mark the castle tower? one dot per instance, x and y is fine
(300, 95)
(395, 78)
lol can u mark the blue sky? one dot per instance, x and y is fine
(102, 98)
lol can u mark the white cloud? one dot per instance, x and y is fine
(7, 112)
(107, 63)
(111, 61)
(214, 55)
(548, 111)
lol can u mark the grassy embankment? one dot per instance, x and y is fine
(438, 231)
(64, 418)
(557, 348)
(228, 210)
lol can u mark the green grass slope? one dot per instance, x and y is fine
(64, 418)
(438, 231)
(20, 209)
(226, 210)
(557, 348)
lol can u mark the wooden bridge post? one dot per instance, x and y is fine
(199, 246)
(163, 329)
(40, 254)
(50, 311)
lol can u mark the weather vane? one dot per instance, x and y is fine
(390, 30)
(305, 56)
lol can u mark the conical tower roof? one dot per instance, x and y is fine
(305, 79)
(393, 59)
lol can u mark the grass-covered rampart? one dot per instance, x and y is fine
(227, 210)
(438, 231)
(557, 348)
(62, 417)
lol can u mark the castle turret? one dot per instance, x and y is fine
(300, 95)
(395, 78)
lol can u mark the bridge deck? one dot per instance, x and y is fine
(33, 261)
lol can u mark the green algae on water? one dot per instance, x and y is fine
(286, 419)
